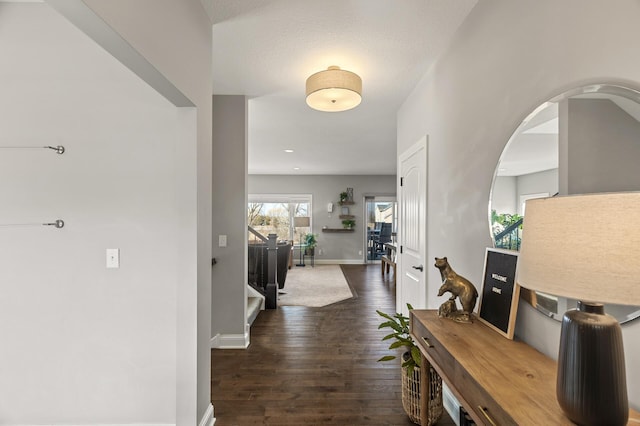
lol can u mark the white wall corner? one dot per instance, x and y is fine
(230, 341)
(93, 25)
(208, 419)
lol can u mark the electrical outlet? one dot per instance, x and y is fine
(320, 252)
(359, 252)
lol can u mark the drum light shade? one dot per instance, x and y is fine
(334, 90)
(585, 247)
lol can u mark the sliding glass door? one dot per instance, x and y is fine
(381, 222)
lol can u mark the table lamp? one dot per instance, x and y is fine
(586, 247)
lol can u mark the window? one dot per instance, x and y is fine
(275, 214)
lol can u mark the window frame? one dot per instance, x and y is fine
(291, 200)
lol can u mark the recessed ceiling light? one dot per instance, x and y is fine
(296, 168)
(288, 150)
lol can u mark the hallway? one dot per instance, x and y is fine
(311, 366)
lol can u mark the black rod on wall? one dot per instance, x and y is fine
(58, 149)
(58, 224)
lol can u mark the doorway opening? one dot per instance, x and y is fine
(381, 213)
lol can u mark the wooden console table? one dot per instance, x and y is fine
(497, 380)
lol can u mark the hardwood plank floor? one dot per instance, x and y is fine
(315, 366)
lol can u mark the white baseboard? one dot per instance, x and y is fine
(451, 404)
(208, 419)
(336, 262)
(230, 341)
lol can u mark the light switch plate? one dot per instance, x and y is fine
(113, 258)
(222, 240)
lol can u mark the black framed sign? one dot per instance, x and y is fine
(499, 302)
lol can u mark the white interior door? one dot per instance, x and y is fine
(411, 283)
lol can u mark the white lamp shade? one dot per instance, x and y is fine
(301, 221)
(334, 90)
(585, 247)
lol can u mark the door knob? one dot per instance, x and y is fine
(419, 268)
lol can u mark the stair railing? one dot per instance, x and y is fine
(257, 234)
(271, 288)
(509, 238)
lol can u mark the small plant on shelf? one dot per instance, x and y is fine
(343, 197)
(348, 223)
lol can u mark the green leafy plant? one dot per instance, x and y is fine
(401, 339)
(348, 223)
(343, 197)
(500, 222)
(310, 240)
(505, 219)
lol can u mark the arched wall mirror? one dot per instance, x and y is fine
(585, 140)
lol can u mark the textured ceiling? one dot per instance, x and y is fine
(266, 49)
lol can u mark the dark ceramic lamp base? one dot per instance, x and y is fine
(592, 387)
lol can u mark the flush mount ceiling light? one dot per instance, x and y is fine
(334, 90)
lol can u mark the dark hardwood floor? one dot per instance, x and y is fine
(315, 366)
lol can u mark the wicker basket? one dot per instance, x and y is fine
(411, 395)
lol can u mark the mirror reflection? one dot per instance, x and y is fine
(583, 141)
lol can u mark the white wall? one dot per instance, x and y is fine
(136, 176)
(536, 183)
(229, 275)
(507, 58)
(505, 194)
(175, 38)
(603, 147)
(336, 247)
(82, 344)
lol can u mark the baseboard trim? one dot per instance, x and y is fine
(337, 262)
(108, 424)
(208, 419)
(451, 404)
(230, 341)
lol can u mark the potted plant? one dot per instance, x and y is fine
(343, 197)
(348, 223)
(311, 241)
(401, 338)
(411, 364)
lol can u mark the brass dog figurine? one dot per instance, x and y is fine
(459, 287)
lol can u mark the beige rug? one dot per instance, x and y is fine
(314, 287)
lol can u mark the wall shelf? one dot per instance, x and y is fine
(346, 203)
(337, 230)
(347, 216)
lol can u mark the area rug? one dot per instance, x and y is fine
(314, 287)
